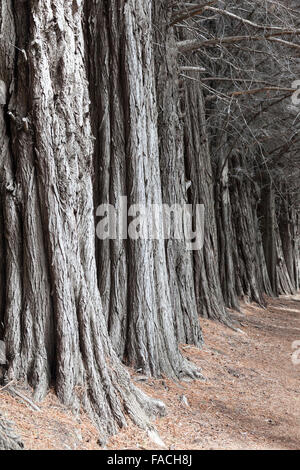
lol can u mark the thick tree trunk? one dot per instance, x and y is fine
(227, 243)
(141, 283)
(92, 110)
(54, 326)
(249, 269)
(278, 272)
(267, 214)
(263, 275)
(8, 439)
(199, 172)
(288, 228)
(173, 179)
(105, 29)
(200, 180)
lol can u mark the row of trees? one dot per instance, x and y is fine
(162, 102)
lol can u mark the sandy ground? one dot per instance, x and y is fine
(250, 398)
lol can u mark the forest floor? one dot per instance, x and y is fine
(250, 398)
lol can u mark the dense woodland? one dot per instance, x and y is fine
(163, 101)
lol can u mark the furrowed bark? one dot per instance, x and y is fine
(144, 320)
(8, 438)
(105, 32)
(199, 171)
(243, 197)
(94, 108)
(289, 232)
(278, 272)
(173, 178)
(58, 320)
(228, 256)
(197, 161)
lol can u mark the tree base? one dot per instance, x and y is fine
(8, 439)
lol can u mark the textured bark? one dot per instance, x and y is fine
(289, 232)
(276, 264)
(8, 439)
(198, 169)
(249, 270)
(284, 282)
(93, 109)
(105, 43)
(228, 256)
(143, 324)
(54, 326)
(173, 178)
(267, 213)
(263, 275)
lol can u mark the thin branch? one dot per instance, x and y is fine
(192, 69)
(194, 44)
(190, 13)
(259, 90)
(243, 20)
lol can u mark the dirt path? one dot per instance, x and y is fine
(249, 400)
(251, 396)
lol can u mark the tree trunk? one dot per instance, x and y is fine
(243, 197)
(54, 326)
(173, 178)
(228, 255)
(94, 108)
(139, 289)
(8, 439)
(276, 264)
(288, 227)
(199, 176)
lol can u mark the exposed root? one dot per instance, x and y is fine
(190, 370)
(8, 439)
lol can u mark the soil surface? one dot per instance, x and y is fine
(250, 398)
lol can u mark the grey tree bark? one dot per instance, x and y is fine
(9, 440)
(279, 275)
(54, 325)
(186, 308)
(198, 169)
(289, 232)
(149, 305)
(94, 107)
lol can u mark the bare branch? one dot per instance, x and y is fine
(190, 13)
(194, 44)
